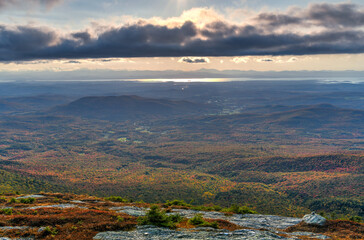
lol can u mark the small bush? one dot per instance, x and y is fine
(116, 199)
(207, 208)
(217, 208)
(73, 228)
(50, 231)
(6, 211)
(175, 218)
(212, 224)
(197, 220)
(177, 203)
(27, 200)
(120, 219)
(239, 210)
(356, 219)
(3, 200)
(13, 200)
(159, 218)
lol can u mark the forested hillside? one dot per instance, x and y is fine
(288, 159)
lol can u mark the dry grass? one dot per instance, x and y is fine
(68, 223)
(85, 223)
(71, 223)
(336, 229)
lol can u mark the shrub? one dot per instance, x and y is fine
(27, 200)
(159, 218)
(356, 219)
(175, 218)
(177, 203)
(239, 210)
(13, 200)
(6, 211)
(217, 208)
(50, 231)
(116, 199)
(120, 219)
(197, 220)
(212, 224)
(207, 208)
(3, 200)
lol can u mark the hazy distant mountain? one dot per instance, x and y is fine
(308, 118)
(317, 116)
(27, 104)
(171, 74)
(129, 107)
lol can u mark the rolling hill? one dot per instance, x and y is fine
(300, 117)
(316, 116)
(116, 108)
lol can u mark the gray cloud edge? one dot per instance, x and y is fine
(25, 43)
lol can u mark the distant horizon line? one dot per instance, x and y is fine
(327, 80)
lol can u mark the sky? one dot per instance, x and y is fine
(184, 35)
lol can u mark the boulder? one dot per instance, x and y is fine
(314, 219)
(31, 196)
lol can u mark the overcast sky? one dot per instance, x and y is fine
(262, 35)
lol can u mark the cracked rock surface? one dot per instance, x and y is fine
(270, 227)
(155, 233)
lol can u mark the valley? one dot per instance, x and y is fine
(277, 159)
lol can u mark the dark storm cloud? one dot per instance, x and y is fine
(16, 43)
(324, 14)
(31, 3)
(219, 38)
(84, 37)
(345, 14)
(218, 29)
(275, 20)
(147, 34)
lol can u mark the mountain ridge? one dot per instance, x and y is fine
(126, 107)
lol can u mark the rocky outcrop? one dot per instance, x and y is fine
(31, 196)
(270, 227)
(131, 210)
(155, 233)
(56, 206)
(244, 220)
(232, 226)
(310, 235)
(314, 219)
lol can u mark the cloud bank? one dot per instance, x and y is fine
(317, 29)
(28, 3)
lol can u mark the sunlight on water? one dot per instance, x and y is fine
(322, 80)
(331, 80)
(342, 80)
(182, 80)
